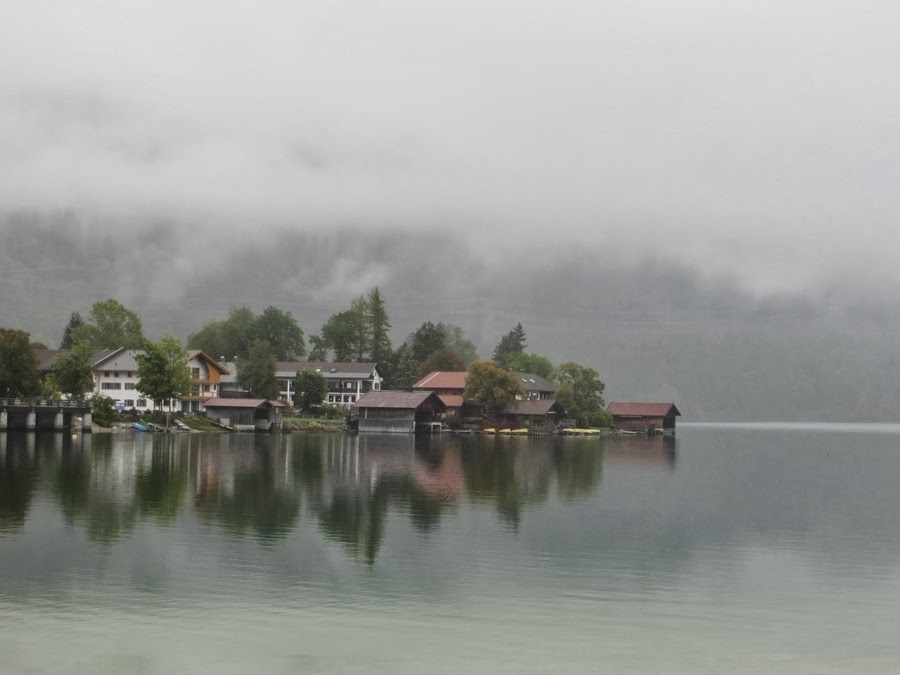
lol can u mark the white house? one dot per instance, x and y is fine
(115, 375)
(347, 382)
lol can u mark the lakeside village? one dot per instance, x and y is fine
(106, 376)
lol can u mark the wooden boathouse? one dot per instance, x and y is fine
(246, 414)
(402, 412)
(646, 417)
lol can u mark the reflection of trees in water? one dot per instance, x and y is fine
(510, 472)
(579, 466)
(18, 480)
(161, 482)
(248, 492)
(93, 486)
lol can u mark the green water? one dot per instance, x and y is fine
(756, 548)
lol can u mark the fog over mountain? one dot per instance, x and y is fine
(697, 198)
(653, 330)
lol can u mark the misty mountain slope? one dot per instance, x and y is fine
(652, 330)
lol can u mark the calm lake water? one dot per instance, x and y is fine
(744, 548)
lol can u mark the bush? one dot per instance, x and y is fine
(601, 418)
(331, 412)
(103, 410)
(453, 421)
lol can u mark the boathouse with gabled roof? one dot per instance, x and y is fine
(246, 414)
(647, 417)
(397, 411)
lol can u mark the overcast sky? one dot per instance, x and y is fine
(754, 138)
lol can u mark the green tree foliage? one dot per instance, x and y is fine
(510, 345)
(426, 340)
(19, 375)
(494, 387)
(68, 340)
(256, 371)
(311, 390)
(580, 391)
(441, 359)
(162, 371)
(111, 326)
(456, 341)
(345, 333)
(281, 331)
(229, 338)
(532, 363)
(318, 350)
(378, 327)
(403, 372)
(73, 372)
(102, 412)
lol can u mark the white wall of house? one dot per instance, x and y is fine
(344, 389)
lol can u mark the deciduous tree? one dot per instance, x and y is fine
(580, 391)
(162, 372)
(281, 331)
(256, 371)
(111, 326)
(19, 375)
(311, 389)
(492, 386)
(73, 372)
(531, 363)
(441, 359)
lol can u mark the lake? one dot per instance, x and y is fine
(731, 548)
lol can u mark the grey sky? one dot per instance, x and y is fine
(758, 139)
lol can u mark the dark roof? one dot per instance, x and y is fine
(405, 400)
(536, 407)
(240, 403)
(46, 357)
(328, 369)
(643, 409)
(532, 382)
(443, 380)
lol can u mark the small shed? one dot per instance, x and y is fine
(397, 411)
(246, 414)
(648, 417)
(533, 411)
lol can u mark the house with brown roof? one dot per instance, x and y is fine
(647, 417)
(397, 411)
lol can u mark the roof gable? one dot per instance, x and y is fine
(443, 380)
(405, 400)
(210, 361)
(633, 409)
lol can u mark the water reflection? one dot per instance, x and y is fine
(257, 486)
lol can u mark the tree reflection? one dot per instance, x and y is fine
(160, 485)
(242, 490)
(579, 467)
(94, 488)
(18, 479)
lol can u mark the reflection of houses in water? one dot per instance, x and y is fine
(658, 450)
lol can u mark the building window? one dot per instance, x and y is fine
(129, 385)
(111, 385)
(195, 373)
(376, 385)
(142, 403)
(129, 402)
(349, 385)
(116, 374)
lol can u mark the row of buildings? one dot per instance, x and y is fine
(356, 387)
